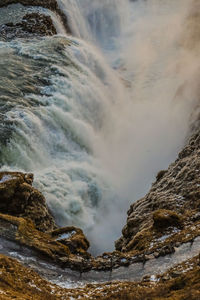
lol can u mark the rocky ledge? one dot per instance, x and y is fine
(32, 24)
(178, 283)
(170, 213)
(26, 220)
(49, 4)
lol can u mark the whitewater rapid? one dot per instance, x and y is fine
(96, 115)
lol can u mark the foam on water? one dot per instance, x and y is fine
(95, 135)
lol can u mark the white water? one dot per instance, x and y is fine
(112, 117)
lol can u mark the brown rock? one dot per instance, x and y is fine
(164, 218)
(32, 24)
(19, 198)
(73, 238)
(172, 204)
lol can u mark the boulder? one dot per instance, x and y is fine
(18, 198)
(73, 238)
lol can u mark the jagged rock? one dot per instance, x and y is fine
(22, 231)
(19, 198)
(173, 202)
(50, 4)
(26, 220)
(73, 238)
(38, 24)
(32, 24)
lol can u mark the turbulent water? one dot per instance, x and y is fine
(96, 115)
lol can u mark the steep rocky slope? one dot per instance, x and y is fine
(158, 225)
(171, 207)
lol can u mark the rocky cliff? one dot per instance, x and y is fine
(157, 256)
(172, 206)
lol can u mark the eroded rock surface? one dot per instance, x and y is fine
(33, 24)
(73, 238)
(19, 198)
(180, 282)
(170, 212)
(49, 4)
(26, 220)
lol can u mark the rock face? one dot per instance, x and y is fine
(26, 220)
(73, 238)
(33, 24)
(171, 206)
(49, 4)
(18, 198)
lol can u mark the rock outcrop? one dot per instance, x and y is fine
(73, 238)
(18, 198)
(171, 209)
(26, 220)
(49, 4)
(32, 24)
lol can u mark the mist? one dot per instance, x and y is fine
(150, 124)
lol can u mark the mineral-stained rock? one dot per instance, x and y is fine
(171, 208)
(19, 198)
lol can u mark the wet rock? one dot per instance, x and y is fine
(73, 238)
(49, 4)
(38, 23)
(18, 198)
(22, 231)
(168, 212)
(26, 220)
(32, 24)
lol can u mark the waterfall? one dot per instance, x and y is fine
(96, 115)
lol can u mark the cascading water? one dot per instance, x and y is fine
(96, 115)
